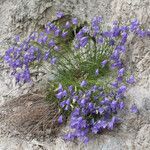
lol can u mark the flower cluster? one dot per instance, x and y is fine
(92, 109)
(37, 48)
(95, 107)
(89, 69)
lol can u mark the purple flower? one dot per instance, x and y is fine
(67, 25)
(59, 95)
(83, 102)
(62, 104)
(57, 32)
(83, 83)
(70, 88)
(121, 72)
(131, 80)
(59, 14)
(97, 72)
(45, 39)
(46, 56)
(100, 40)
(124, 38)
(18, 77)
(116, 31)
(107, 34)
(103, 63)
(141, 33)
(64, 34)
(83, 41)
(74, 21)
(26, 75)
(96, 30)
(105, 101)
(40, 41)
(52, 26)
(84, 111)
(122, 48)
(89, 93)
(68, 102)
(64, 93)
(69, 136)
(47, 30)
(101, 110)
(96, 21)
(121, 105)
(115, 22)
(113, 122)
(115, 55)
(134, 109)
(95, 129)
(111, 125)
(86, 140)
(53, 60)
(60, 88)
(103, 124)
(80, 34)
(114, 84)
(134, 24)
(76, 112)
(147, 33)
(119, 79)
(114, 65)
(122, 89)
(17, 38)
(51, 43)
(114, 104)
(124, 29)
(94, 88)
(60, 119)
(85, 29)
(41, 34)
(91, 106)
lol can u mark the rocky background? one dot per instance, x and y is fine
(24, 16)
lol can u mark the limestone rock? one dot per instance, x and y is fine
(24, 16)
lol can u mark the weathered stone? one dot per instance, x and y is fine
(23, 16)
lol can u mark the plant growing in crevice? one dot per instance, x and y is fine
(90, 79)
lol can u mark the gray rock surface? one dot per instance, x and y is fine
(23, 16)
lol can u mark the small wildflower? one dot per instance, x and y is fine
(100, 40)
(121, 72)
(83, 83)
(121, 105)
(103, 63)
(83, 41)
(51, 43)
(53, 60)
(59, 14)
(17, 38)
(131, 80)
(57, 32)
(60, 119)
(59, 95)
(64, 34)
(134, 109)
(97, 72)
(122, 89)
(74, 21)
